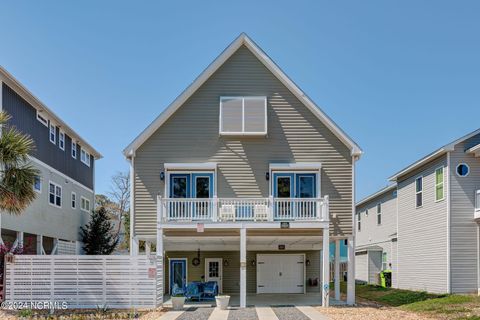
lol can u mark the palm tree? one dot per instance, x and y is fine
(17, 175)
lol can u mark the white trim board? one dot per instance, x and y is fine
(242, 39)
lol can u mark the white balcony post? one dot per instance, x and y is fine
(326, 209)
(148, 248)
(215, 209)
(134, 246)
(271, 210)
(351, 272)
(326, 267)
(39, 244)
(337, 269)
(243, 267)
(20, 240)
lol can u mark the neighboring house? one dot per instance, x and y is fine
(65, 185)
(425, 227)
(249, 180)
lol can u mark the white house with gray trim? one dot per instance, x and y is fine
(425, 227)
(65, 185)
(243, 181)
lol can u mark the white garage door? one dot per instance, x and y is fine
(280, 273)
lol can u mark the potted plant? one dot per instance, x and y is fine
(178, 300)
(222, 301)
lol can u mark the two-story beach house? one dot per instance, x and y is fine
(244, 181)
(425, 227)
(65, 185)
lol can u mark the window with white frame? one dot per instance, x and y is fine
(53, 133)
(359, 223)
(85, 204)
(74, 200)
(55, 194)
(379, 214)
(85, 157)
(42, 119)
(384, 261)
(243, 115)
(61, 140)
(419, 192)
(37, 184)
(439, 189)
(74, 149)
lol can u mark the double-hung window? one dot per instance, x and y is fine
(55, 194)
(359, 223)
(61, 140)
(439, 189)
(243, 115)
(379, 214)
(85, 204)
(477, 200)
(85, 157)
(74, 200)
(384, 261)
(53, 133)
(419, 192)
(74, 150)
(37, 184)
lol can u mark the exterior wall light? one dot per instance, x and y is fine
(267, 175)
(162, 175)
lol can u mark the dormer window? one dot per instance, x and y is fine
(243, 115)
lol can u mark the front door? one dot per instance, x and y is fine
(178, 274)
(289, 185)
(213, 271)
(283, 191)
(202, 185)
(191, 185)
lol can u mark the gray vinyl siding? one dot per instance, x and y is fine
(24, 118)
(295, 134)
(361, 266)
(231, 273)
(463, 229)
(41, 218)
(422, 233)
(372, 233)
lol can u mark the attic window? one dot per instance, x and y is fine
(243, 115)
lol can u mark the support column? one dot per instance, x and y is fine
(351, 272)
(159, 261)
(326, 267)
(39, 244)
(243, 268)
(134, 246)
(148, 248)
(337, 269)
(1, 240)
(20, 239)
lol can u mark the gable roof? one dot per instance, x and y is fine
(242, 39)
(20, 89)
(441, 151)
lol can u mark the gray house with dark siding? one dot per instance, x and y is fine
(65, 186)
(243, 181)
(431, 217)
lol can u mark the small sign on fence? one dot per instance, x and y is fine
(152, 273)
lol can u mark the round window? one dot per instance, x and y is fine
(463, 170)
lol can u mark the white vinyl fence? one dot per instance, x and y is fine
(84, 281)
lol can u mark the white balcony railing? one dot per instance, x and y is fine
(243, 209)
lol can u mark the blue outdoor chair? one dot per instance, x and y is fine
(176, 290)
(193, 292)
(210, 290)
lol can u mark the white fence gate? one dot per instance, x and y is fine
(83, 281)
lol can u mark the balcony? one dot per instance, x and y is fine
(242, 209)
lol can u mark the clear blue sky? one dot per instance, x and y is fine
(400, 77)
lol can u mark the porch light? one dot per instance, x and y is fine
(253, 262)
(226, 263)
(162, 175)
(307, 262)
(267, 175)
